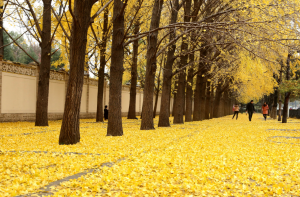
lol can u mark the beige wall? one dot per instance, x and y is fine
(106, 95)
(137, 103)
(83, 99)
(125, 99)
(19, 91)
(92, 101)
(56, 96)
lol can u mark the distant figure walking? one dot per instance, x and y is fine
(250, 109)
(236, 111)
(265, 109)
(105, 113)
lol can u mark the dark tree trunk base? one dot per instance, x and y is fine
(114, 127)
(147, 121)
(70, 133)
(44, 68)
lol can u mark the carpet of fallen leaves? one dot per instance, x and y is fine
(218, 157)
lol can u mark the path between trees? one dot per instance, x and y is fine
(216, 149)
(48, 189)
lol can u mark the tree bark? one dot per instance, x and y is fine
(175, 94)
(155, 104)
(270, 103)
(114, 127)
(287, 95)
(44, 68)
(169, 103)
(100, 110)
(221, 110)
(189, 93)
(285, 107)
(132, 101)
(274, 108)
(189, 85)
(226, 104)
(179, 100)
(216, 105)
(212, 98)
(69, 133)
(180, 103)
(1, 30)
(164, 113)
(157, 89)
(280, 106)
(207, 103)
(203, 98)
(231, 106)
(279, 94)
(197, 98)
(147, 121)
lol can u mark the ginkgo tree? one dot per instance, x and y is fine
(214, 52)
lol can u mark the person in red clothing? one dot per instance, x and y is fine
(265, 109)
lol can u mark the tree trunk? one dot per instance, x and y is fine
(270, 103)
(285, 108)
(179, 100)
(280, 106)
(287, 95)
(147, 121)
(132, 101)
(156, 101)
(203, 98)
(226, 104)
(197, 98)
(221, 110)
(174, 100)
(279, 94)
(100, 110)
(212, 98)
(69, 133)
(169, 103)
(41, 116)
(114, 127)
(207, 103)
(157, 89)
(1, 30)
(189, 93)
(216, 105)
(274, 108)
(164, 113)
(231, 106)
(189, 85)
(180, 103)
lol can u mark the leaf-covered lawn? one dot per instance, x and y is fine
(218, 157)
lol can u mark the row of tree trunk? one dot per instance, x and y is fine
(275, 98)
(209, 102)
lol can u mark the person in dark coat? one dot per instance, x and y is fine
(105, 113)
(250, 109)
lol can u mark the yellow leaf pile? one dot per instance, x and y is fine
(218, 157)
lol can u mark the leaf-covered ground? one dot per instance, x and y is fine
(218, 157)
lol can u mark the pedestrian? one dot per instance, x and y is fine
(236, 111)
(265, 109)
(105, 113)
(250, 109)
